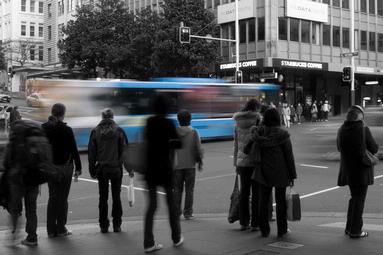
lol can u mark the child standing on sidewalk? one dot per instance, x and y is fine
(186, 158)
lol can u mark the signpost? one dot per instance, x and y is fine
(350, 54)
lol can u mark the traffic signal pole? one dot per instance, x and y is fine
(237, 72)
(352, 44)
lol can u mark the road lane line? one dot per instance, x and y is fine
(330, 189)
(313, 129)
(215, 177)
(124, 186)
(314, 166)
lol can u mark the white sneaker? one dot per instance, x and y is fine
(154, 248)
(181, 241)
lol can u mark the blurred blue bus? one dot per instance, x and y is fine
(211, 102)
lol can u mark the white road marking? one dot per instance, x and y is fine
(214, 177)
(313, 129)
(342, 225)
(330, 189)
(124, 186)
(314, 166)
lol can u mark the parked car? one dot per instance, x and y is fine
(5, 98)
(37, 100)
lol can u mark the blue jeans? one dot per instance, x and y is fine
(16, 195)
(184, 177)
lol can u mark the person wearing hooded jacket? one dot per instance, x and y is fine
(244, 164)
(105, 155)
(353, 139)
(186, 159)
(65, 152)
(277, 169)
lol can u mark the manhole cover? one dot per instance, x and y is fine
(286, 245)
(261, 252)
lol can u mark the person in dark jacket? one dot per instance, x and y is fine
(353, 139)
(277, 169)
(65, 151)
(15, 167)
(14, 115)
(161, 139)
(105, 155)
(244, 164)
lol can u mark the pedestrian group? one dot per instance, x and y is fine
(263, 159)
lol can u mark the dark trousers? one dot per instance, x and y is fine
(174, 218)
(57, 211)
(355, 209)
(115, 179)
(248, 185)
(281, 210)
(184, 177)
(16, 195)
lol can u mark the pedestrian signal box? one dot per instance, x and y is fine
(346, 75)
(184, 34)
(238, 77)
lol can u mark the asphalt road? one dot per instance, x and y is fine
(317, 167)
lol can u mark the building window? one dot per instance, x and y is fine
(380, 7)
(41, 53)
(209, 4)
(363, 40)
(32, 30)
(315, 33)
(23, 30)
(282, 28)
(251, 30)
(326, 1)
(242, 31)
(32, 6)
(336, 36)
(372, 41)
(371, 6)
(356, 39)
(346, 4)
(232, 30)
(305, 31)
(345, 37)
(23, 5)
(363, 5)
(261, 29)
(49, 10)
(49, 55)
(32, 52)
(380, 42)
(216, 3)
(60, 31)
(326, 35)
(49, 32)
(41, 30)
(336, 3)
(294, 30)
(356, 5)
(41, 7)
(60, 7)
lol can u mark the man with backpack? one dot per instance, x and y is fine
(27, 162)
(65, 151)
(105, 155)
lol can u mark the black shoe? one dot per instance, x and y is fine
(265, 234)
(288, 231)
(346, 232)
(117, 229)
(30, 241)
(104, 230)
(361, 235)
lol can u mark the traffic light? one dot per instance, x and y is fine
(184, 34)
(238, 77)
(346, 75)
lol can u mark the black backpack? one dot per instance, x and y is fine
(36, 152)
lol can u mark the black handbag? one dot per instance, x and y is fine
(369, 159)
(234, 203)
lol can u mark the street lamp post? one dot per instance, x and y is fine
(352, 44)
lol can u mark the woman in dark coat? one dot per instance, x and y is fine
(354, 138)
(161, 140)
(277, 169)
